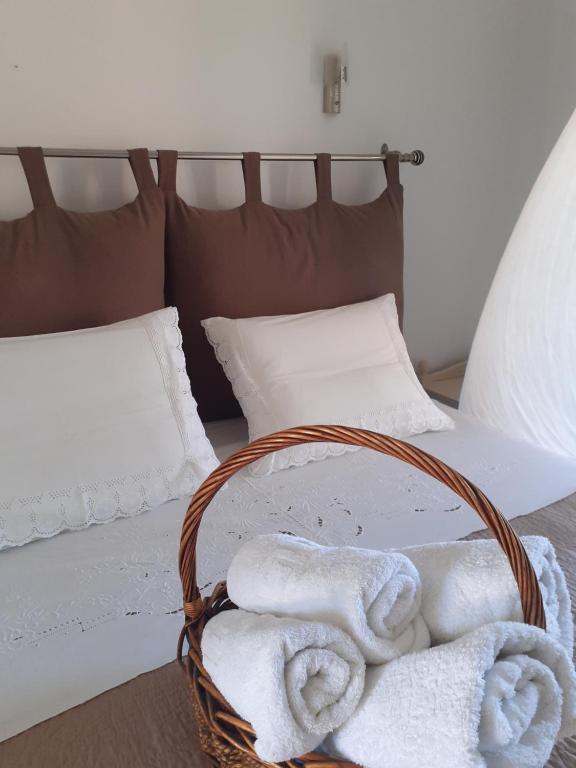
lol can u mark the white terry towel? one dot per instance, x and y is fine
(469, 583)
(373, 596)
(495, 698)
(294, 681)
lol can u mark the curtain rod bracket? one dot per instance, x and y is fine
(416, 157)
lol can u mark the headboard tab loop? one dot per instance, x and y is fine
(141, 168)
(392, 168)
(323, 172)
(32, 159)
(167, 162)
(251, 170)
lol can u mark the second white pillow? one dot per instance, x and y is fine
(346, 366)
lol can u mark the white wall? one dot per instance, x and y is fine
(482, 86)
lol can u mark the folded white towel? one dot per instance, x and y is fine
(294, 681)
(466, 584)
(495, 698)
(373, 596)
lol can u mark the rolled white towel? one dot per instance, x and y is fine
(466, 584)
(294, 681)
(495, 698)
(373, 596)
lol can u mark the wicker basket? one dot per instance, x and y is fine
(225, 737)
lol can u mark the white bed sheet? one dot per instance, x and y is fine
(89, 610)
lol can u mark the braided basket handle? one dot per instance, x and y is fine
(530, 595)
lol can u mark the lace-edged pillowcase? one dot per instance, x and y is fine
(96, 424)
(345, 366)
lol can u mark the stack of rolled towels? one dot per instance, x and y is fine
(397, 659)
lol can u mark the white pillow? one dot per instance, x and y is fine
(95, 424)
(345, 366)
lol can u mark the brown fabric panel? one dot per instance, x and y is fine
(61, 270)
(149, 723)
(259, 260)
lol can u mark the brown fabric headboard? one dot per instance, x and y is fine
(61, 270)
(259, 260)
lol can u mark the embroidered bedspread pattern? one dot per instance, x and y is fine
(88, 610)
(133, 568)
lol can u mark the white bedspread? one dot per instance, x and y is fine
(89, 610)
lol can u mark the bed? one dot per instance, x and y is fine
(90, 618)
(87, 612)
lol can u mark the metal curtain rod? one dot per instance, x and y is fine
(416, 157)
